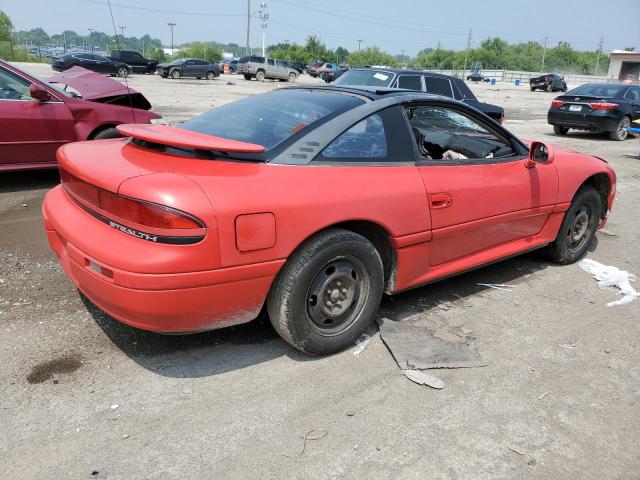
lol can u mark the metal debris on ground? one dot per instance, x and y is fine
(422, 378)
(415, 347)
(497, 286)
(311, 436)
(608, 276)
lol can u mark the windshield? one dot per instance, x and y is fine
(271, 118)
(601, 90)
(370, 78)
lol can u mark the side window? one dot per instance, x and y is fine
(633, 94)
(410, 82)
(443, 133)
(188, 63)
(202, 62)
(438, 86)
(365, 140)
(270, 61)
(280, 63)
(13, 87)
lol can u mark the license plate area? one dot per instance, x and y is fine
(575, 108)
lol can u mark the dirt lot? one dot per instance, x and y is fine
(86, 397)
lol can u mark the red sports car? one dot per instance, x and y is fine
(37, 117)
(311, 202)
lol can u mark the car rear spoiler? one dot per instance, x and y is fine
(178, 137)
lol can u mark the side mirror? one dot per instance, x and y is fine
(539, 153)
(39, 93)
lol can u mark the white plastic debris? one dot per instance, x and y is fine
(608, 276)
(361, 343)
(497, 286)
(114, 406)
(422, 378)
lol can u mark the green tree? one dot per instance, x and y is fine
(6, 26)
(371, 56)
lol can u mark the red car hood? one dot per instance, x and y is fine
(99, 88)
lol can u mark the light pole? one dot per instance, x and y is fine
(171, 25)
(359, 42)
(91, 30)
(402, 58)
(122, 35)
(264, 18)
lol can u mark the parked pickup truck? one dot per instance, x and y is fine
(261, 68)
(135, 60)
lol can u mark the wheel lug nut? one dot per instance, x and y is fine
(344, 290)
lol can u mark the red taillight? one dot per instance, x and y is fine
(130, 209)
(557, 103)
(603, 106)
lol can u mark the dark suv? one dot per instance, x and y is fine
(133, 58)
(550, 82)
(429, 82)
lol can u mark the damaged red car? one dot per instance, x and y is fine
(38, 116)
(310, 202)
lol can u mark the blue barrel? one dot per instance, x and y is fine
(493, 81)
(517, 82)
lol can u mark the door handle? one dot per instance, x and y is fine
(440, 200)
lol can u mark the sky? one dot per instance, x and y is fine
(393, 25)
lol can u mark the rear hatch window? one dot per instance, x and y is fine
(272, 118)
(369, 78)
(596, 90)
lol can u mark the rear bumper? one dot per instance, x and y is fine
(593, 122)
(159, 302)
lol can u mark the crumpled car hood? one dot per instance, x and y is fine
(100, 88)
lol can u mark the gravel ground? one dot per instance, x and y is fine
(86, 397)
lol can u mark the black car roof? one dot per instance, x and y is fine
(404, 70)
(372, 93)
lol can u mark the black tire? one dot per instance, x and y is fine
(550, 87)
(109, 132)
(260, 76)
(620, 134)
(123, 72)
(533, 89)
(292, 77)
(210, 76)
(175, 74)
(247, 76)
(564, 88)
(558, 130)
(306, 301)
(578, 227)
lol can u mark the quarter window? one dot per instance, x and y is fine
(633, 94)
(445, 134)
(365, 140)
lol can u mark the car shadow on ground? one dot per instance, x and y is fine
(218, 351)
(29, 180)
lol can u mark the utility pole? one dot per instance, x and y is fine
(359, 42)
(248, 52)
(599, 53)
(171, 25)
(402, 61)
(264, 18)
(544, 52)
(466, 55)
(64, 34)
(91, 30)
(122, 35)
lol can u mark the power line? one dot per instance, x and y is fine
(160, 10)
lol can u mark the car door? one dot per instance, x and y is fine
(270, 69)
(633, 97)
(283, 71)
(480, 193)
(201, 68)
(31, 130)
(188, 68)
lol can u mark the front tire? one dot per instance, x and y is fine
(109, 132)
(558, 130)
(327, 293)
(620, 134)
(247, 76)
(175, 74)
(578, 227)
(260, 76)
(292, 77)
(123, 72)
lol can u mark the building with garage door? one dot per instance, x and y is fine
(624, 65)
